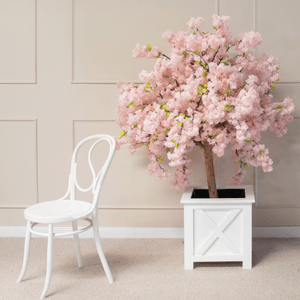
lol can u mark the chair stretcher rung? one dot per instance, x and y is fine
(63, 233)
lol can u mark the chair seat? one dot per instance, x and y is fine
(58, 211)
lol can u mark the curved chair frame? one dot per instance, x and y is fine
(93, 211)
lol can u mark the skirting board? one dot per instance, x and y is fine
(150, 232)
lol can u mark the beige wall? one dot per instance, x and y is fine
(60, 62)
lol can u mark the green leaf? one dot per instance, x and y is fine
(159, 54)
(260, 152)
(176, 144)
(185, 168)
(136, 86)
(227, 107)
(168, 114)
(211, 48)
(204, 85)
(154, 140)
(149, 47)
(185, 54)
(134, 125)
(194, 32)
(142, 109)
(239, 162)
(182, 114)
(168, 150)
(187, 118)
(164, 107)
(205, 73)
(196, 62)
(273, 88)
(245, 56)
(228, 91)
(278, 79)
(280, 106)
(245, 165)
(131, 104)
(204, 90)
(197, 51)
(214, 27)
(122, 133)
(249, 142)
(167, 131)
(158, 133)
(203, 64)
(147, 84)
(159, 159)
(147, 91)
(223, 35)
(277, 68)
(178, 125)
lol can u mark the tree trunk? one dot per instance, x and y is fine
(210, 172)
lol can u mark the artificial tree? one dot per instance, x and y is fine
(198, 95)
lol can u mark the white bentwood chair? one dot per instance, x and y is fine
(68, 209)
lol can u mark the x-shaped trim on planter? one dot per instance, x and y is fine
(218, 231)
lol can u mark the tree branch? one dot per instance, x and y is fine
(216, 53)
(165, 56)
(223, 124)
(199, 144)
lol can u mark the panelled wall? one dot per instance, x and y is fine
(60, 61)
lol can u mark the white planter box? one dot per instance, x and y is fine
(218, 229)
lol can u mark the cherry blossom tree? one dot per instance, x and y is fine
(198, 95)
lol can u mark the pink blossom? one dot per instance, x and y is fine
(195, 22)
(143, 51)
(198, 95)
(249, 39)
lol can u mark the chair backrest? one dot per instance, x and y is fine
(98, 179)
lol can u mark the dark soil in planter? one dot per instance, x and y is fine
(222, 193)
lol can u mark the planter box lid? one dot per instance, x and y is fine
(249, 196)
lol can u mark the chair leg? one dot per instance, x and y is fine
(79, 260)
(99, 247)
(49, 260)
(26, 251)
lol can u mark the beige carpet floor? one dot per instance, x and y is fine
(149, 269)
